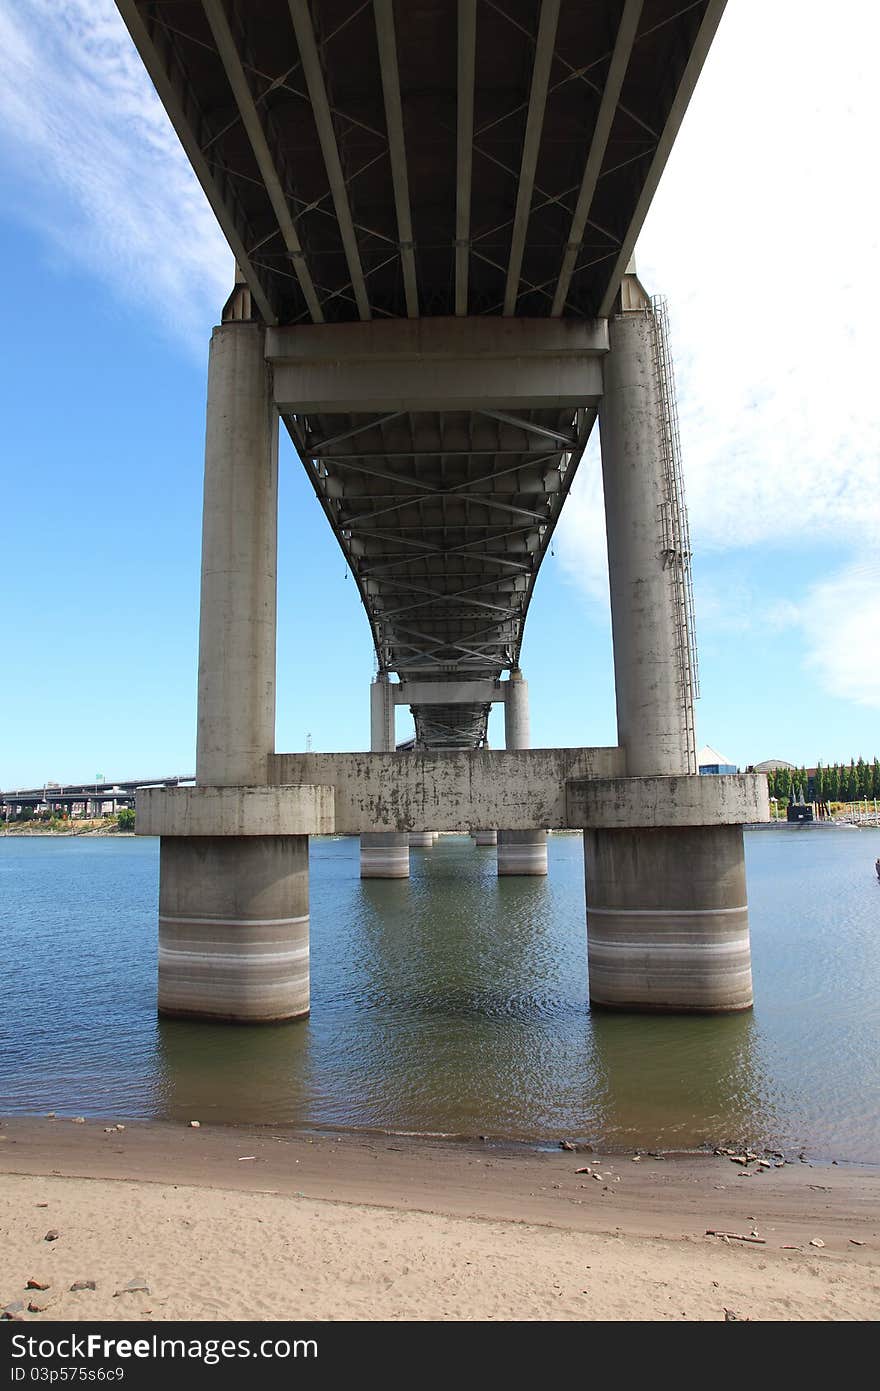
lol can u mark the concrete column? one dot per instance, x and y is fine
(520, 852)
(236, 718)
(645, 607)
(234, 910)
(234, 927)
(485, 838)
(384, 854)
(667, 918)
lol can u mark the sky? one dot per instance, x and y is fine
(762, 236)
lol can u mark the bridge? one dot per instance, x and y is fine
(91, 797)
(433, 210)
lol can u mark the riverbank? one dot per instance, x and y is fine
(103, 826)
(241, 1223)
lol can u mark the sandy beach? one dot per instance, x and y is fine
(236, 1223)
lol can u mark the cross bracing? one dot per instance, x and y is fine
(377, 160)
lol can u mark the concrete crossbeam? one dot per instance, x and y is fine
(448, 790)
(623, 803)
(237, 811)
(448, 692)
(348, 793)
(438, 364)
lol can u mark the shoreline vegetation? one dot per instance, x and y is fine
(164, 1220)
(65, 826)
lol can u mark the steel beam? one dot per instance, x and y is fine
(534, 125)
(384, 15)
(229, 56)
(467, 38)
(308, 52)
(623, 46)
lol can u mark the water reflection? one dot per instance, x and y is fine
(248, 1073)
(681, 1081)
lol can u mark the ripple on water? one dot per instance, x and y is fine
(455, 1002)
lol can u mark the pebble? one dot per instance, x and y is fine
(11, 1310)
(120, 1127)
(40, 1302)
(52, 1235)
(78, 1120)
(84, 1285)
(36, 1285)
(136, 1286)
(194, 1125)
(816, 1241)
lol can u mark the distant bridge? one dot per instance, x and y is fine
(87, 794)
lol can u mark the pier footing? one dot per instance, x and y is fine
(667, 919)
(234, 927)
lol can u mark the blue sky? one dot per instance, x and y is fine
(764, 238)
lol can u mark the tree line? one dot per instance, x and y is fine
(839, 782)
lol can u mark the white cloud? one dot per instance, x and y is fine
(840, 618)
(764, 236)
(105, 180)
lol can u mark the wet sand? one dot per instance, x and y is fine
(245, 1223)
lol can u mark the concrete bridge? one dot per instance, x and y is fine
(433, 210)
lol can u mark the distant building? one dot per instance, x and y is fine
(772, 765)
(709, 760)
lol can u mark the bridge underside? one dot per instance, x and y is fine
(478, 160)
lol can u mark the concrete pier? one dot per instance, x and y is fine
(421, 840)
(384, 854)
(520, 852)
(667, 920)
(234, 927)
(485, 838)
(234, 909)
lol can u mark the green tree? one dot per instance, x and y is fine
(819, 782)
(852, 783)
(864, 789)
(832, 784)
(125, 819)
(875, 777)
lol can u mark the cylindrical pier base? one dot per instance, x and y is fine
(234, 927)
(667, 919)
(384, 855)
(485, 837)
(522, 852)
(422, 840)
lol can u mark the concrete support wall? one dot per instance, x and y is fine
(668, 919)
(236, 712)
(234, 927)
(520, 852)
(384, 854)
(485, 838)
